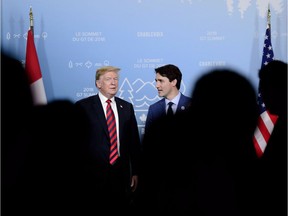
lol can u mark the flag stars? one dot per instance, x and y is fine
(263, 105)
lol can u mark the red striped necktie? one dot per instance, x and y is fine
(111, 123)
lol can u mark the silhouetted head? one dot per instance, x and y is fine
(224, 107)
(273, 86)
(16, 94)
(225, 94)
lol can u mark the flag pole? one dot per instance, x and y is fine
(269, 17)
(31, 20)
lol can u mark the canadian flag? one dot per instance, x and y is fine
(33, 71)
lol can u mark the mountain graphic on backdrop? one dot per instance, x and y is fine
(145, 94)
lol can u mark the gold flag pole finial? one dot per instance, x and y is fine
(31, 20)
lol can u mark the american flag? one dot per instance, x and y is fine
(266, 120)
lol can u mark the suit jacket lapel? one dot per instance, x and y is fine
(162, 106)
(182, 104)
(100, 115)
(121, 115)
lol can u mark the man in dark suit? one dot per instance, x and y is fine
(116, 180)
(158, 156)
(168, 81)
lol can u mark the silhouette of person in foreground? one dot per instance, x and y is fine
(44, 151)
(16, 108)
(272, 166)
(220, 154)
(204, 165)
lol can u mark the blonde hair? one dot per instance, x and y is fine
(105, 69)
